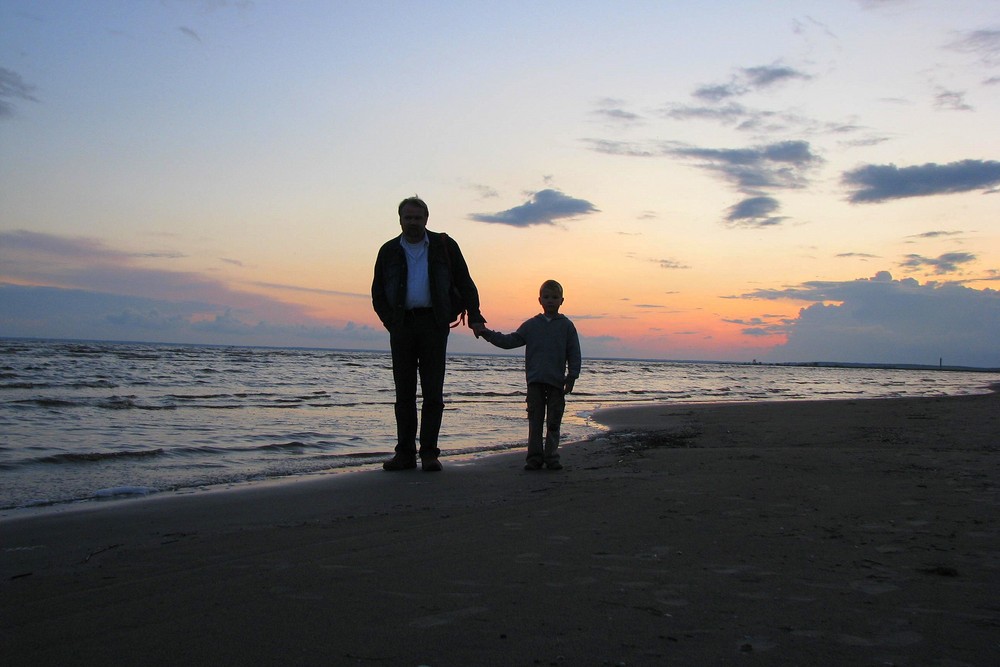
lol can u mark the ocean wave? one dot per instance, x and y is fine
(85, 384)
(202, 397)
(93, 457)
(293, 446)
(118, 491)
(46, 402)
(128, 403)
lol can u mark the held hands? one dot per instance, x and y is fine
(568, 386)
(478, 328)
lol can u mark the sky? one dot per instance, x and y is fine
(770, 180)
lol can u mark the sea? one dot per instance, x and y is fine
(99, 421)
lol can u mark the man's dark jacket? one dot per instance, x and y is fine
(446, 267)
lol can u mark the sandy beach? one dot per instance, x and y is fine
(796, 533)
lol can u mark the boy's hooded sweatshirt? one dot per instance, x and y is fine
(552, 345)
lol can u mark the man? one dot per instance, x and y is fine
(413, 295)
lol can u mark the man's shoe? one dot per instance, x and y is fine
(398, 462)
(553, 465)
(430, 465)
(532, 465)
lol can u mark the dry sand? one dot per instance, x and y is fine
(814, 533)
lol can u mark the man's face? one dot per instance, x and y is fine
(413, 220)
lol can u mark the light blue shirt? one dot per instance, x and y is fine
(418, 287)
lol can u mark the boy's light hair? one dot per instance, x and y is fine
(551, 285)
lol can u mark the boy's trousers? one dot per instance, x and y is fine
(545, 408)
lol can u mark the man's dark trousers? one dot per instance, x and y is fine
(419, 347)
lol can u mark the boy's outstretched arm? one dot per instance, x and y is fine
(501, 340)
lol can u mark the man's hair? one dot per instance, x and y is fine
(552, 285)
(416, 201)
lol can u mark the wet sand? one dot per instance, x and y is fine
(811, 533)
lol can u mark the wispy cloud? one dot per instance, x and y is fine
(784, 164)
(951, 100)
(13, 87)
(544, 207)
(877, 183)
(484, 191)
(52, 312)
(982, 43)
(311, 290)
(91, 265)
(79, 287)
(749, 79)
(935, 234)
(752, 170)
(190, 33)
(671, 264)
(949, 262)
(613, 111)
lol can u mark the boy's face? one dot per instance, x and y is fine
(550, 301)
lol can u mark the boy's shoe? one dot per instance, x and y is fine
(398, 462)
(429, 465)
(532, 465)
(554, 465)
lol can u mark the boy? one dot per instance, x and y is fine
(552, 345)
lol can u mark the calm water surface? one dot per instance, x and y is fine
(93, 420)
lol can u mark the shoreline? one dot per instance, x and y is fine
(803, 532)
(109, 497)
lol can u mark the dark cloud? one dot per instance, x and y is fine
(613, 112)
(891, 321)
(13, 87)
(783, 165)
(619, 116)
(768, 325)
(755, 212)
(949, 262)
(544, 207)
(769, 75)
(878, 183)
(935, 234)
(753, 171)
(718, 92)
(747, 80)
